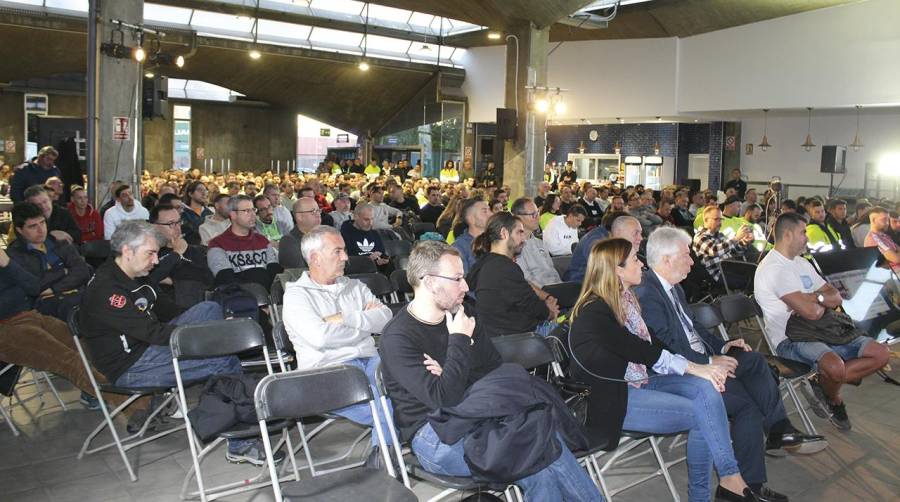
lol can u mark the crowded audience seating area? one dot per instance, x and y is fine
(377, 336)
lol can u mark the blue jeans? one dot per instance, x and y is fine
(672, 403)
(154, 368)
(564, 479)
(361, 413)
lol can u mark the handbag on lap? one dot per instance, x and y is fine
(833, 328)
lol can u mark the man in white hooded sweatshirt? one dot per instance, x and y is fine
(330, 318)
(126, 208)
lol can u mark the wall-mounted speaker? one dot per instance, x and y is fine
(506, 123)
(834, 159)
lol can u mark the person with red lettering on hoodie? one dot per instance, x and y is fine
(240, 254)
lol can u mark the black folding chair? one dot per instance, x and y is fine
(793, 374)
(215, 339)
(126, 443)
(360, 265)
(397, 248)
(410, 466)
(279, 285)
(401, 284)
(378, 284)
(566, 293)
(422, 227)
(561, 263)
(708, 315)
(737, 268)
(95, 252)
(298, 394)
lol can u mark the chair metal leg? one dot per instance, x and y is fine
(801, 410)
(8, 420)
(654, 445)
(53, 389)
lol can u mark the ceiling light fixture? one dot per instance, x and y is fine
(363, 65)
(179, 61)
(494, 35)
(149, 74)
(857, 141)
(808, 144)
(764, 144)
(254, 52)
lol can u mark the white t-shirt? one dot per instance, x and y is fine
(775, 277)
(559, 237)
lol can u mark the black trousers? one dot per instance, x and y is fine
(753, 404)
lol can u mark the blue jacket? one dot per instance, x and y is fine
(578, 265)
(463, 244)
(665, 326)
(31, 174)
(17, 289)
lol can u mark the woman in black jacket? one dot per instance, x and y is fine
(612, 350)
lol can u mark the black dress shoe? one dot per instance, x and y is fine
(765, 494)
(723, 495)
(796, 443)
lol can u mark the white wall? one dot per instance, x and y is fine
(880, 132)
(834, 57)
(618, 78)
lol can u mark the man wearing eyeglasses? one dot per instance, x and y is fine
(534, 261)
(181, 276)
(307, 216)
(241, 254)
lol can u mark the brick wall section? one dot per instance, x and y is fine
(635, 139)
(692, 139)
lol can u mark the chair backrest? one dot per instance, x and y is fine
(386, 235)
(526, 349)
(258, 291)
(279, 284)
(378, 284)
(400, 282)
(397, 248)
(561, 263)
(298, 394)
(422, 227)
(96, 249)
(737, 307)
(216, 338)
(280, 337)
(707, 315)
(360, 265)
(566, 293)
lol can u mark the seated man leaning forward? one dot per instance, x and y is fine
(786, 287)
(433, 363)
(127, 342)
(330, 318)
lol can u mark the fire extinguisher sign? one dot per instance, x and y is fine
(121, 129)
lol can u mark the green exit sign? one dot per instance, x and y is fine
(325, 131)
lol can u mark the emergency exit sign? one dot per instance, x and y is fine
(325, 131)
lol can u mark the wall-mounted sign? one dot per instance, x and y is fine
(200, 153)
(393, 140)
(343, 138)
(730, 143)
(9, 146)
(748, 149)
(121, 129)
(325, 131)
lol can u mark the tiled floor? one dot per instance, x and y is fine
(41, 464)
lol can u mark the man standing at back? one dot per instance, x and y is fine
(34, 173)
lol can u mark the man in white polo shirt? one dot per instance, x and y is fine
(786, 284)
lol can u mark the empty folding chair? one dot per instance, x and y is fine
(360, 265)
(738, 307)
(737, 268)
(378, 284)
(298, 394)
(215, 339)
(410, 467)
(126, 443)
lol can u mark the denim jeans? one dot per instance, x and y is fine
(810, 352)
(361, 413)
(673, 403)
(154, 368)
(564, 479)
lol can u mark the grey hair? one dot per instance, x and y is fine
(133, 233)
(424, 258)
(665, 241)
(312, 240)
(618, 225)
(234, 201)
(362, 207)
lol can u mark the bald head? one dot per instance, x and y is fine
(629, 228)
(307, 214)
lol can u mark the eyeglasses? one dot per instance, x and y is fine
(248, 210)
(454, 279)
(171, 224)
(530, 215)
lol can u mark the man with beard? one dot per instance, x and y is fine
(266, 223)
(837, 219)
(432, 357)
(505, 301)
(126, 208)
(217, 222)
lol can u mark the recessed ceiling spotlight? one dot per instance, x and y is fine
(254, 54)
(494, 35)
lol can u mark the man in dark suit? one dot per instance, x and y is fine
(751, 395)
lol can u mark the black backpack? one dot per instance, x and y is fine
(236, 302)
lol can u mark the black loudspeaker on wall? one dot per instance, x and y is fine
(693, 184)
(155, 93)
(506, 123)
(834, 159)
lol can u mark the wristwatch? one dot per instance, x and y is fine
(820, 298)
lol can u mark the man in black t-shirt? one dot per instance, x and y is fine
(737, 183)
(431, 357)
(432, 210)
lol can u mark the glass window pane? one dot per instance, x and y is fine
(388, 44)
(182, 112)
(75, 5)
(328, 36)
(181, 144)
(282, 30)
(223, 22)
(166, 14)
(339, 6)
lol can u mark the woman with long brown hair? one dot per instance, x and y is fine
(445, 220)
(612, 350)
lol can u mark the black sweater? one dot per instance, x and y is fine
(413, 390)
(605, 347)
(504, 301)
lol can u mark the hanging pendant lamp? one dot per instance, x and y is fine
(857, 141)
(808, 145)
(764, 144)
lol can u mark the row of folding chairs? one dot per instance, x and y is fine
(12, 380)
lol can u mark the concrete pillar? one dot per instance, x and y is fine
(526, 65)
(118, 95)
